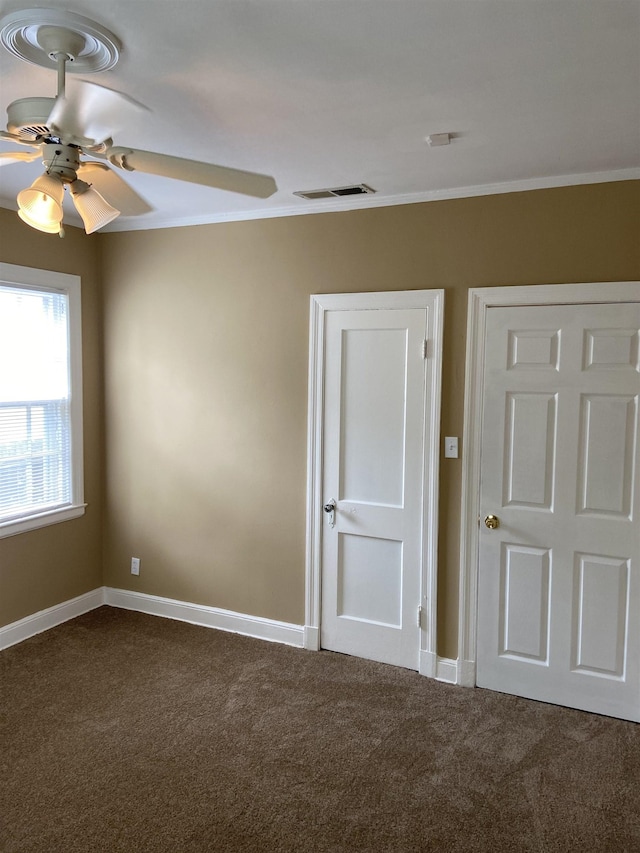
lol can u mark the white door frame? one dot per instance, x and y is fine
(433, 300)
(480, 299)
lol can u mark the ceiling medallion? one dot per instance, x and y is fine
(29, 34)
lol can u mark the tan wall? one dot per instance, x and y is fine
(45, 567)
(206, 342)
(206, 352)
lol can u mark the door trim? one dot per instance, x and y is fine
(433, 300)
(480, 299)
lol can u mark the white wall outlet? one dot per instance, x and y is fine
(135, 565)
(451, 447)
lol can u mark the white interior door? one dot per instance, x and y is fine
(559, 579)
(375, 432)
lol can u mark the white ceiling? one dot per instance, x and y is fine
(325, 93)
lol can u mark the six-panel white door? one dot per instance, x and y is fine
(559, 579)
(373, 468)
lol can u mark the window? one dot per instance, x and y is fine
(41, 480)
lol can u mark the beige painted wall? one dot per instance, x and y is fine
(206, 341)
(48, 566)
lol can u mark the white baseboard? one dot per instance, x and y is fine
(447, 670)
(460, 672)
(443, 669)
(21, 630)
(451, 671)
(209, 617)
(311, 638)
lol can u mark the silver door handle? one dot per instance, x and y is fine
(330, 509)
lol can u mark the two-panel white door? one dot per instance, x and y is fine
(559, 578)
(375, 393)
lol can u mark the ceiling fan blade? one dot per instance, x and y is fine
(116, 191)
(8, 157)
(13, 137)
(193, 171)
(89, 113)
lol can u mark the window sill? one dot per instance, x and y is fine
(42, 519)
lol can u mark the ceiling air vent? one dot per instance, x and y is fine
(356, 189)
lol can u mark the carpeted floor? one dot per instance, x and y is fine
(126, 732)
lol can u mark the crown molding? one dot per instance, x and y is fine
(345, 203)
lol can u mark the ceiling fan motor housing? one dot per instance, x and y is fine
(27, 118)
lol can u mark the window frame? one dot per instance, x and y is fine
(30, 278)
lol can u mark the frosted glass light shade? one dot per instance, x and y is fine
(41, 203)
(94, 210)
(48, 227)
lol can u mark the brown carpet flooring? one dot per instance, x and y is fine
(126, 732)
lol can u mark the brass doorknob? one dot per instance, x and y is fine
(492, 521)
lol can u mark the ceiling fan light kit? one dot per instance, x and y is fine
(66, 128)
(94, 210)
(49, 227)
(40, 205)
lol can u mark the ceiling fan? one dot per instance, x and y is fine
(78, 124)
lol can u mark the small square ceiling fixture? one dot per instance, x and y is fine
(436, 139)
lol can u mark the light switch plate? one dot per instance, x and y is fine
(451, 447)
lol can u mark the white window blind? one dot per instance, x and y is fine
(37, 476)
